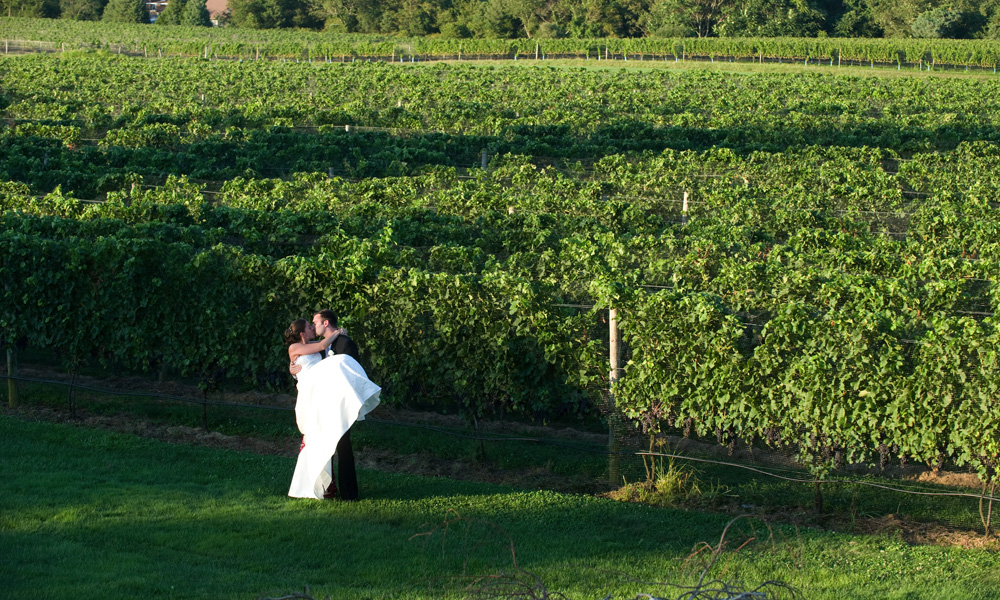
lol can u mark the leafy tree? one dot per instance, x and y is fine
(620, 18)
(767, 18)
(550, 30)
(454, 31)
(411, 17)
(581, 18)
(29, 8)
(989, 12)
(271, 14)
(504, 18)
(171, 15)
(941, 22)
(680, 18)
(895, 17)
(82, 10)
(354, 16)
(530, 13)
(195, 14)
(126, 11)
(490, 19)
(857, 20)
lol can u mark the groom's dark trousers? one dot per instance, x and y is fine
(347, 476)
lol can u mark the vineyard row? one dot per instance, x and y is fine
(830, 377)
(250, 44)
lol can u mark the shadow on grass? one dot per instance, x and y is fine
(106, 507)
(104, 515)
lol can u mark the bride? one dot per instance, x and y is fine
(334, 392)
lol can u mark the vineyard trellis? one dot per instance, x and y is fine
(826, 289)
(271, 45)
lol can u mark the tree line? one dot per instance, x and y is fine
(562, 18)
(177, 12)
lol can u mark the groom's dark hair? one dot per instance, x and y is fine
(327, 315)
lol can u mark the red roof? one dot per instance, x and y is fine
(216, 6)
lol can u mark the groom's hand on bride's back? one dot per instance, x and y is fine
(294, 368)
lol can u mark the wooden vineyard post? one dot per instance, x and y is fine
(69, 395)
(485, 160)
(684, 210)
(614, 461)
(11, 374)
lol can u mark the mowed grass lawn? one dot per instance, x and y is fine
(90, 513)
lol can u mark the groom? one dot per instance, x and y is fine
(326, 320)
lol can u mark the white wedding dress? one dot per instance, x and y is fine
(334, 392)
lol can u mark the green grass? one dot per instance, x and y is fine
(567, 465)
(93, 514)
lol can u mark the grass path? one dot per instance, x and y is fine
(95, 514)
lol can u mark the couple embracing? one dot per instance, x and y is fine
(333, 393)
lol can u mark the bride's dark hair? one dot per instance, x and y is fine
(293, 335)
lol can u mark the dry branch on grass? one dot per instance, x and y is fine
(523, 584)
(717, 589)
(303, 596)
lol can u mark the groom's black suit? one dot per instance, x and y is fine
(347, 477)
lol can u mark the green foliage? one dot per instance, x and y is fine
(767, 18)
(672, 486)
(896, 17)
(195, 14)
(455, 31)
(857, 20)
(268, 14)
(171, 15)
(668, 483)
(830, 294)
(125, 11)
(33, 9)
(675, 19)
(940, 22)
(252, 43)
(82, 10)
(582, 20)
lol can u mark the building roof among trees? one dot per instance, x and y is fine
(216, 6)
